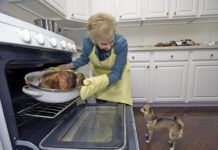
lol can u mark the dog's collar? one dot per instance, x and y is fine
(153, 117)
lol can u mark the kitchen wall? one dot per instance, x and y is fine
(151, 34)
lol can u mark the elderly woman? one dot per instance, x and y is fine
(107, 52)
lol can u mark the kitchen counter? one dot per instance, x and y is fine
(149, 48)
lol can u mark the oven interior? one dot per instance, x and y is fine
(34, 119)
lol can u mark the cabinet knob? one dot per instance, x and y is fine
(156, 66)
(172, 56)
(148, 66)
(167, 13)
(133, 57)
(174, 13)
(211, 55)
(72, 15)
(120, 16)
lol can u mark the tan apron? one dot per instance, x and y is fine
(117, 92)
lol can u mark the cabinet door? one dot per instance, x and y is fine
(58, 5)
(203, 83)
(156, 8)
(170, 80)
(184, 8)
(140, 82)
(129, 9)
(108, 6)
(78, 9)
(209, 7)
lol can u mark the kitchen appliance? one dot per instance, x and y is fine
(26, 123)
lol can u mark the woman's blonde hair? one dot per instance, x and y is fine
(101, 25)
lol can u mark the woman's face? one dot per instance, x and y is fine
(106, 43)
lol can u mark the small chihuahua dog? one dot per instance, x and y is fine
(175, 126)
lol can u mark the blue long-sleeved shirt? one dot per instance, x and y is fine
(120, 49)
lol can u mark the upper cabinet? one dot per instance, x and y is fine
(208, 7)
(129, 10)
(156, 8)
(108, 6)
(58, 5)
(122, 10)
(78, 9)
(182, 8)
(170, 9)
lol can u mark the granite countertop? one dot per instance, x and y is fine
(148, 48)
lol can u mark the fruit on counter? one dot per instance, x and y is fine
(61, 80)
(165, 44)
(186, 42)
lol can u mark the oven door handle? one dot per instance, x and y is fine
(30, 92)
(26, 144)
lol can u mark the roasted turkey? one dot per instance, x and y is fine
(62, 80)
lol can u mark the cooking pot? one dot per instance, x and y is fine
(47, 24)
(47, 95)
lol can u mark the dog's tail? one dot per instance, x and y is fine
(179, 122)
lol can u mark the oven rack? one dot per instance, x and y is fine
(46, 110)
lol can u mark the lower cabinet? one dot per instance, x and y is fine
(188, 76)
(170, 81)
(203, 81)
(140, 82)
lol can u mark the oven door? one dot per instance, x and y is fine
(90, 127)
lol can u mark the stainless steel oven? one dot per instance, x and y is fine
(30, 124)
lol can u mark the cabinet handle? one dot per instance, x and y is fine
(72, 15)
(148, 66)
(211, 55)
(167, 13)
(174, 13)
(120, 16)
(156, 66)
(172, 56)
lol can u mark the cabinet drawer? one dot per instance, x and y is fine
(139, 56)
(205, 55)
(171, 55)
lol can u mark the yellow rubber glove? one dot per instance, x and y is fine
(93, 85)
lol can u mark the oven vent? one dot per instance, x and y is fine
(46, 110)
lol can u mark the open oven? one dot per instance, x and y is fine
(31, 124)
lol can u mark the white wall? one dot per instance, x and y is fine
(151, 34)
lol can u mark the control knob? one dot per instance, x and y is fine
(25, 35)
(40, 38)
(63, 44)
(53, 42)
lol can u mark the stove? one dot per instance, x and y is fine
(26, 123)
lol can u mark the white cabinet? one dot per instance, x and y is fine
(208, 7)
(130, 9)
(156, 8)
(57, 5)
(159, 76)
(170, 80)
(170, 9)
(183, 8)
(140, 82)
(203, 85)
(174, 76)
(108, 6)
(78, 9)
